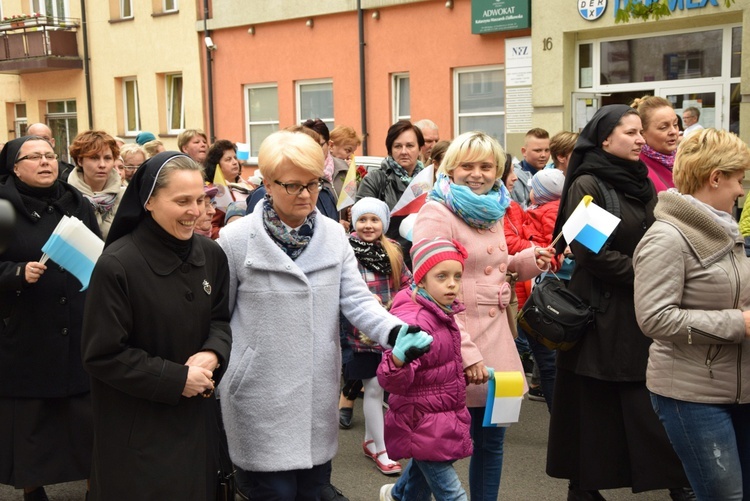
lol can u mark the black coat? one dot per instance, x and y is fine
(40, 333)
(147, 313)
(614, 349)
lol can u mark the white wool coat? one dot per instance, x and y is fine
(279, 396)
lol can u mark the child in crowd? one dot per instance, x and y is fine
(546, 190)
(428, 420)
(382, 267)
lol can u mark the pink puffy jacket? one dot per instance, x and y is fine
(428, 419)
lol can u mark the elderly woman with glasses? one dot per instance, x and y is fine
(292, 273)
(45, 408)
(133, 155)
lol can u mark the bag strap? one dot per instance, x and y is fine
(611, 205)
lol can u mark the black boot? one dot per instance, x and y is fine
(331, 493)
(37, 494)
(682, 494)
(576, 494)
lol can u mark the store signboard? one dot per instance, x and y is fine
(489, 16)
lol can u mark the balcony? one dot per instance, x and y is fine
(38, 44)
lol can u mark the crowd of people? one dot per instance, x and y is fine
(220, 302)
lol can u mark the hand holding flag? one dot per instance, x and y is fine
(589, 225)
(74, 247)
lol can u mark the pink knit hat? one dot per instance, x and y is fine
(426, 253)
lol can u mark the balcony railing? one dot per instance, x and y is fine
(37, 44)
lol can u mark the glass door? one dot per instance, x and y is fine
(584, 106)
(707, 99)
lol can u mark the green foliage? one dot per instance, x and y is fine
(637, 10)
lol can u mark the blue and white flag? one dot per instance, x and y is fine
(590, 225)
(74, 247)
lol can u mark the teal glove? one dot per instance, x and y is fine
(411, 345)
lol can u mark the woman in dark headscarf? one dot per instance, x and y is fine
(156, 341)
(604, 433)
(45, 405)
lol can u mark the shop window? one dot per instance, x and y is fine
(401, 97)
(175, 104)
(130, 106)
(315, 100)
(262, 105)
(479, 99)
(62, 119)
(585, 65)
(20, 122)
(666, 57)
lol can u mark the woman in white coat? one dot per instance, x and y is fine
(291, 273)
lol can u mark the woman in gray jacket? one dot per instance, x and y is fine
(692, 296)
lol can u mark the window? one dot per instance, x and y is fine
(169, 6)
(63, 120)
(262, 105)
(315, 100)
(53, 8)
(175, 105)
(479, 97)
(126, 9)
(130, 105)
(20, 123)
(401, 98)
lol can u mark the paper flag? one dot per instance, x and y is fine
(415, 195)
(504, 397)
(223, 198)
(74, 247)
(349, 188)
(589, 225)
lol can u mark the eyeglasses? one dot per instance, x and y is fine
(37, 157)
(130, 167)
(296, 188)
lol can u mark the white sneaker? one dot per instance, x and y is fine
(385, 492)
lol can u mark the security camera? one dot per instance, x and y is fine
(210, 45)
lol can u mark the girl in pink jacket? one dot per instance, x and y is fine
(428, 420)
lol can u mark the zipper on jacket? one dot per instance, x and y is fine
(737, 280)
(702, 333)
(710, 359)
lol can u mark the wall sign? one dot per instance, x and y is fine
(489, 16)
(591, 10)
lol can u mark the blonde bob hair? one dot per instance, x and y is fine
(474, 146)
(704, 152)
(283, 147)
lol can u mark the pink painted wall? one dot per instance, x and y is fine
(425, 39)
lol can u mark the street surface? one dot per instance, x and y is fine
(523, 470)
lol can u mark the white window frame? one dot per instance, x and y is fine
(248, 123)
(62, 144)
(40, 6)
(396, 78)
(329, 121)
(125, 114)
(126, 5)
(169, 80)
(18, 120)
(165, 6)
(456, 97)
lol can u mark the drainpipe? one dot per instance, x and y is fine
(209, 75)
(362, 93)
(86, 71)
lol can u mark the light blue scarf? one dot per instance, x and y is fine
(478, 211)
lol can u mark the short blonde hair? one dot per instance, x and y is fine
(473, 146)
(562, 144)
(132, 149)
(295, 147)
(343, 134)
(187, 135)
(152, 147)
(704, 152)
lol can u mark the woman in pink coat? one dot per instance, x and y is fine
(467, 204)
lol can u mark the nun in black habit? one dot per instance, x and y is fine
(45, 405)
(604, 434)
(156, 341)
